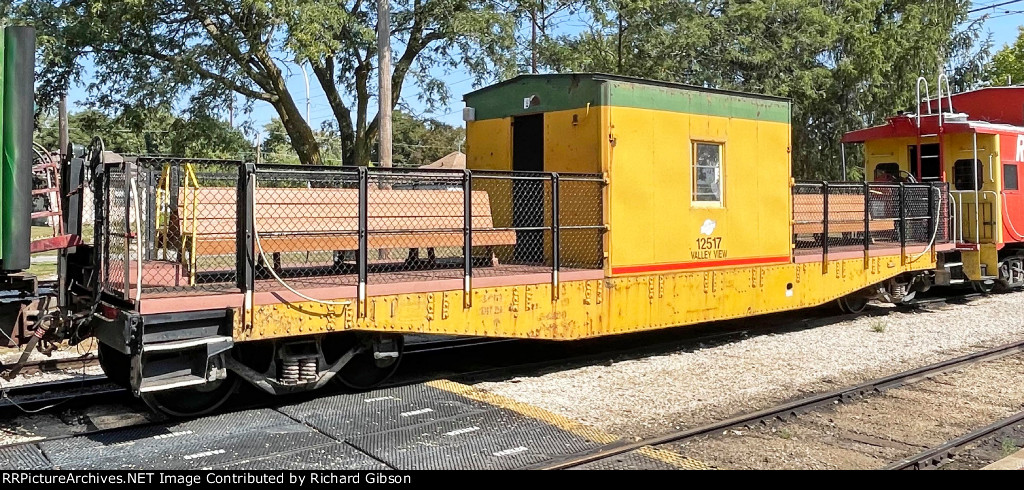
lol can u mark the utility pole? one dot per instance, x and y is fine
(384, 80)
(306, 76)
(533, 40)
(618, 15)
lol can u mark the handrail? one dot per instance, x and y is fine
(949, 95)
(927, 94)
(192, 184)
(959, 205)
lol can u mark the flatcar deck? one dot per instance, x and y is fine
(842, 252)
(339, 287)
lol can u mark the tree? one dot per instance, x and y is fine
(209, 51)
(157, 132)
(845, 64)
(422, 141)
(1007, 65)
(417, 142)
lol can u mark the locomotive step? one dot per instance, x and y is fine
(186, 344)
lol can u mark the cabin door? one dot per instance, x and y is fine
(528, 195)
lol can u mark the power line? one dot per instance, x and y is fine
(1007, 13)
(986, 7)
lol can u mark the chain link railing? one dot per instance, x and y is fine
(169, 225)
(846, 217)
(180, 225)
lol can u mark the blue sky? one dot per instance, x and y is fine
(1001, 22)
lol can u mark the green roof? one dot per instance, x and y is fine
(558, 92)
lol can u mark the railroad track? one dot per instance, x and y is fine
(36, 397)
(783, 412)
(938, 455)
(86, 360)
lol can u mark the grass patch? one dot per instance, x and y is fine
(878, 326)
(785, 434)
(44, 265)
(1008, 446)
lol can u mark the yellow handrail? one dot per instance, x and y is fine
(192, 184)
(163, 211)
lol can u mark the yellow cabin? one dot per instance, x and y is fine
(700, 209)
(683, 164)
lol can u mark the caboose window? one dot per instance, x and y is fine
(887, 172)
(1010, 177)
(707, 172)
(964, 178)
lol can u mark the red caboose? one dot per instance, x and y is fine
(975, 142)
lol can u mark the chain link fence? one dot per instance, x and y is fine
(173, 225)
(170, 225)
(848, 217)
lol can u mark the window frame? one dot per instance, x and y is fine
(885, 165)
(1016, 177)
(979, 179)
(694, 202)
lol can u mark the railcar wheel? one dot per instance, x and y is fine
(985, 286)
(192, 401)
(853, 303)
(116, 365)
(377, 359)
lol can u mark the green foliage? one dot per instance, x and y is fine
(157, 53)
(845, 64)
(1008, 446)
(416, 142)
(422, 141)
(1007, 65)
(154, 132)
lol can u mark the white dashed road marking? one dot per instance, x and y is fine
(509, 452)
(205, 454)
(173, 434)
(380, 399)
(417, 412)
(461, 431)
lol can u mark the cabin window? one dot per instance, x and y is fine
(887, 172)
(1010, 177)
(964, 177)
(707, 173)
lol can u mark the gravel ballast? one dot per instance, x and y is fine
(648, 396)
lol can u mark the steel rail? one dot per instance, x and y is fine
(792, 408)
(50, 365)
(936, 456)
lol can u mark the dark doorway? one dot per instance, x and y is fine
(930, 167)
(528, 195)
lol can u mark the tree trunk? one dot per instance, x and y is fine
(299, 132)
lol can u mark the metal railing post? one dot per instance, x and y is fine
(245, 232)
(363, 238)
(467, 238)
(150, 214)
(933, 228)
(824, 227)
(245, 250)
(127, 264)
(555, 238)
(903, 223)
(101, 204)
(867, 219)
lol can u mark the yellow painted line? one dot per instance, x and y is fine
(562, 422)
